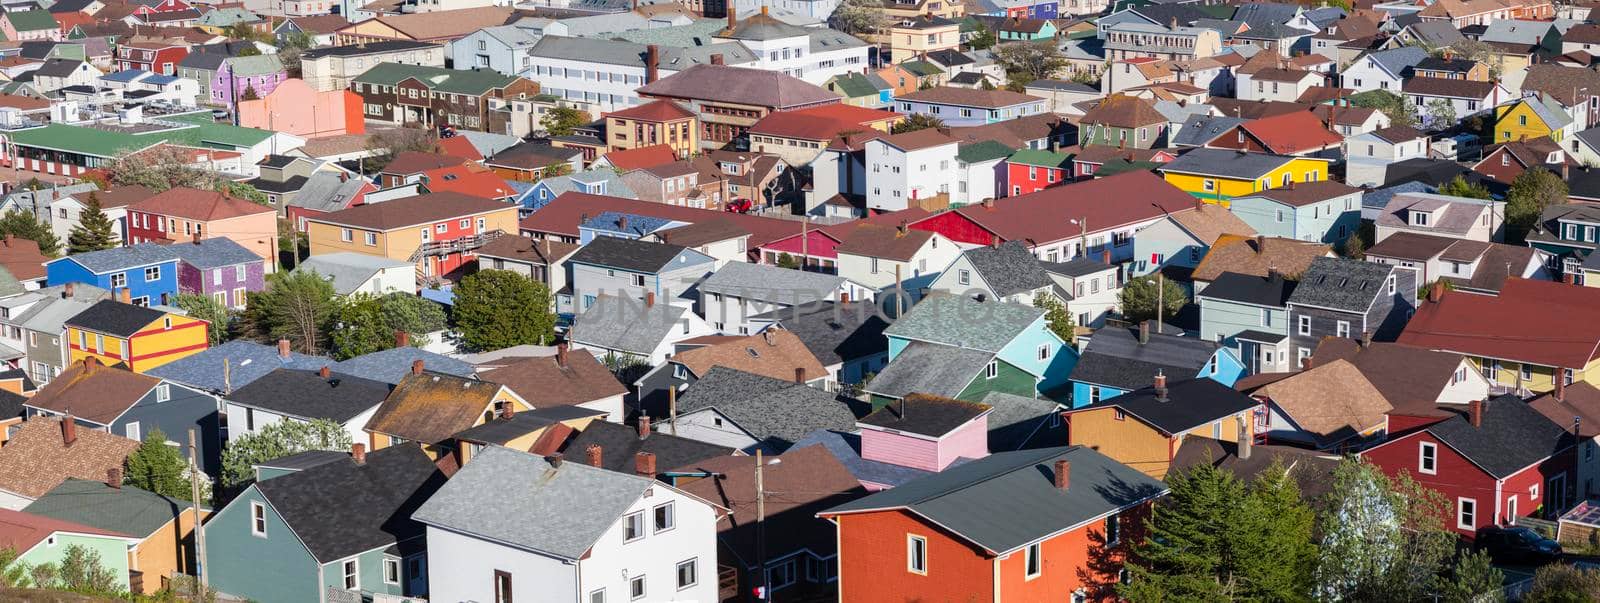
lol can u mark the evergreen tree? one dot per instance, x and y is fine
(1271, 540)
(94, 231)
(1474, 580)
(157, 467)
(1184, 553)
(25, 226)
(369, 323)
(296, 306)
(1138, 299)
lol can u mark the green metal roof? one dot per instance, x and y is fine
(921, 68)
(856, 85)
(105, 143)
(32, 20)
(224, 17)
(474, 82)
(261, 64)
(982, 151)
(1040, 158)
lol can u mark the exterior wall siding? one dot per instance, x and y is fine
(873, 564)
(271, 569)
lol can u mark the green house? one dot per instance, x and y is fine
(39, 540)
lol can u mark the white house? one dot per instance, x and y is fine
(1482, 220)
(876, 255)
(1367, 156)
(605, 73)
(1467, 97)
(643, 330)
(506, 528)
(66, 211)
(1382, 70)
(740, 290)
(813, 54)
(361, 273)
(1275, 84)
(903, 168)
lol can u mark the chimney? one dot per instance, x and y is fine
(196, 239)
(1475, 412)
(716, 59)
(1245, 438)
(508, 411)
(1063, 474)
(124, 295)
(358, 451)
(416, 366)
(283, 349)
(325, 372)
(1273, 274)
(765, 9)
(1305, 363)
(1105, 257)
(66, 291)
(733, 18)
(644, 464)
(622, 223)
(644, 427)
(800, 375)
(596, 455)
(561, 355)
(1261, 243)
(344, 177)
(652, 59)
(69, 430)
(554, 460)
(402, 339)
(114, 477)
(1436, 292)
(844, 297)
(1561, 384)
(649, 299)
(1144, 332)
(90, 363)
(1161, 386)
(988, 203)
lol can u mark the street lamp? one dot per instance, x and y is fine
(1083, 233)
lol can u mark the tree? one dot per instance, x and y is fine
(296, 306)
(787, 261)
(1271, 539)
(1474, 579)
(24, 225)
(1383, 538)
(159, 169)
(243, 190)
(982, 39)
(250, 94)
(290, 49)
(497, 309)
(1398, 111)
(207, 308)
(1025, 62)
(249, 51)
(916, 121)
(1056, 316)
(387, 144)
(1534, 189)
(94, 231)
(561, 121)
(1353, 247)
(242, 31)
(1477, 51)
(278, 440)
(1441, 114)
(1139, 299)
(858, 17)
(159, 468)
(82, 572)
(1560, 583)
(1458, 187)
(369, 323)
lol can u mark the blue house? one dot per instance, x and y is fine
(1119, 360)
(148, 271)
(601, 181)
(1323, 212)
(1250, 314)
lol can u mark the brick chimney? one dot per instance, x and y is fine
(1475, 412)
(554, 460)
(402, 339)
(66, 291)
(1161, 386)
(69, 430)
(844, 298)
(733, 18)
(283, 349)
(1436, 292)
(800, 375)
(649, 299)
(114, 477)
(652, 59)
(1560, 378)
(561, 355)
(325, 372)
(644, 464)
(644, 427)
(196, 238)
(1305, 363)
(596, 455)
(716, 59)
(358, 451)
(1063, 474)
(124, 295)
(508, 411)
(416, 366)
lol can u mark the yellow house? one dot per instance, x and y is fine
(142, 338)
(441, 232)
(1532, 117)
(431, 408)
(1218, 175)
(1139, 429)
(1520, 340)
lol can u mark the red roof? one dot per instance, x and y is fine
(642, 157)
(20, 531)
(196, 204)
(850, 113)
(1292, 133)
(1530, 321)
(411, 211)
(416, 162)
(1045, 217)
(657, 111)
(459, 146)
(468, 179)
(821, 123)
(562, 215)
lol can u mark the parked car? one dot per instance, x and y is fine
(1517, 544)
(739, 206)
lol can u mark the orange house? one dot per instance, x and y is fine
(1031, 525)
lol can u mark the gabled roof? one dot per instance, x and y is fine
(969, 97)
(122, 509)
(957, 320)
(600, 325)
(833, 332)
(805, 482)
(768, 283)
(1411, 379)
(1330, 402)
(342, 508)
(1123, 111)
(1559, 81)
(1256, 255)
(656, 111)
(1342, 284)
(216, 252)
(1115, 358)
(620, 444)
(773, 353)
(1513, 436)
(1438, 86)
(1529, 321)
(1008, 268)
(879, 241)
(246, 361)
(1207, 223)
(1292, 133)
(445, 24)
(1202, 129)
(35, 459)
(95, 393)
(410, 211)
(1188, 403)
(636, 255)
(122, 258)
(429, 407)
(776, 412)
(641, 157)
(1225, 163)
(21, 531)
(307, 395)
(1018, 493)
(1271, 291)
(546, 382)
(115, 318)
(724, 83)
(1042, 217)
(921, 414)
(929, 368)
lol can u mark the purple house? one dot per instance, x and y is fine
(261, 73)
(925, 432)
(220, 268)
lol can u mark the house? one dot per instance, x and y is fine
(143, 338)
(66, 211)
(21, 257)
(1368, 155)
(1465, 97)
(653, 123)
(1564, 231)
(1467, 265)
(40, 540)
(122, 402)
(865, 90)
(1055, 551)
(612, 554)
(220, 269)
(1131, 40)
(45, 451)
(1256, 256)
(478, 100)
(57, 74)
(616, 447)
(609, 265)
(1323, 212)
(439, 232)
(1007, 272)
(915, 36)
(304, 396)
(499, 48)
(926, 432)
(845, 337)
(155, 56)
(1575, 405)
(1499, 461)
(1350, 298)
(1080, 281)
(161, 527)
(1030, 171)
(1217, 175)
(1481, 220)
(562, 380)
(395, 364)
(1249, 313)
(37, 319)
(294, 107)
(1504, 161)
(441, 26)
(813, 54)
(797, 137)
(1382, 69)
(1494, 333)
(1300, 133)
(28, 25)
(1568, 87)
(900, 164)
(738, 291)
(429, 408)
(749, 411)
(773, 353)
(147, 271)
(328, 68)
(1119, 360)
(1423, 385)
(1277, 84)
(969, 106)
(1162, 418)
(621, 328)
(880, 257)
(325, 193)
(353, 273)
(276, 540)
(1534, 117)
(1181, 239)
(728, 99)
(529, 161)
(1326, 407)
(941, 347)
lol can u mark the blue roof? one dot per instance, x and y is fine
(1379, 198)
(847, 448)
(214, 253)
(160, 80)
(124, 76)
(392, 365)
(122, 258)
(1397, 60)
(441, 296)
(246, 360)
(607, 221)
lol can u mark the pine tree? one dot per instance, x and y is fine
(1184, 552)
(94, 231)
(1271, 539)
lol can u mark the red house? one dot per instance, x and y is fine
(155, 56)
(1031, 170)
(1500, 460)
(1032, 525)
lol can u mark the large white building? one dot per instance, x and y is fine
(904, 168)
(812, 54)
(605, 73)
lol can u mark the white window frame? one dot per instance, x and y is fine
(1044, 352)
(1032, 562)
(644, 588)
(636, 515)
(694, 573)
(917, 563)
(133, 431)
(351, 568)
(258, 519)
(391, 567)
(672, 518)
(1428, 458)
(991, 370)
(1462, 513)
(1303, 325)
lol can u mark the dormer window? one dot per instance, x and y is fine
(1420, 218)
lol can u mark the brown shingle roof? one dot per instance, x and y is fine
(196, 204)
(1255, 255)
(410, 211)
(1530, 321)
(1207, 222)
(544, 382)
(1306, 193)
(417, 162)
(1412, 379)
(36, 459)
(445, 24)
(808, 481)
(725, 83)
(919, 139)
(1580, 400)
(654, 111)
(1330, 402)
(430, 407)
(774, 353)
(1123, 111)
(1560, 81)
(22, 258)
(878, 241)
(92, 391)
(544, 251)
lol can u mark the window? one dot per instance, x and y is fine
(666, 518)
(1533, 492)
(688, 574)
(132, 431)
(1526, 371)
(391, 571)
(597, 596)
(1305, 325)
(441, 227)
(1466, 513)
(917, 554)
(152, 273)
(1428, 458)
(1044, 352)
(638, 280)
(964, 277)
(1113, 530)
(633, 526)
(502, 586)
(1210, 185)
(466, 223)
(1266, 317)
(119, 281)
(1032, 561)
(992, 370)
(636, 588)
(372, 239)
(1342, 329)
(345, 235)
(163, 392)
(352, 575)
(1280, 215)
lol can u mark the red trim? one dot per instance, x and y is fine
(197, 323)
(198, 346)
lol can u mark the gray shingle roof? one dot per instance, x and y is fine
(392, 365)
(348, 270)
(635, 255)
(213, 253)
(1190, 403)
(773, 411)
(1341, 284)
(246, 360)
(325, 192)
(834, 333)
(1017, 494)
(1250, 289)
(961, 321)
(1009, 269)
(763, 282)
(1201, 129)
(1017, 421)
(847, 448)
(307, 395)
(122, 258)
(620, 444)
(545, 517)
(1222, 162)
(1513, 436)
(1398, 61)
(929, 368)
(340, 509)
(1114, 357)
(603, 325)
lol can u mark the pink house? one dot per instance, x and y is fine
(925, 432)
(294, 108)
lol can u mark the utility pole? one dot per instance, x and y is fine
(761, 530)
(194, 504)
(1161, 298)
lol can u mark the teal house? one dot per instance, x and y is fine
(340, 526)
(39, 540)
(957, 347)
(1322, 212)
(1251, 315)
(1120, 360)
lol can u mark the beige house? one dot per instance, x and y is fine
(332, 68)
(915, 36)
